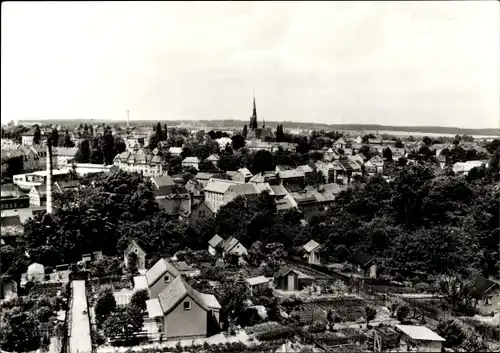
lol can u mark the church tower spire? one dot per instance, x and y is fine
(253, 120)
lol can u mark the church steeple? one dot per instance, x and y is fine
(253, 119)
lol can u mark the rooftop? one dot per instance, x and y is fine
(420, 333)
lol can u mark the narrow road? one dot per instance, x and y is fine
(79, 325)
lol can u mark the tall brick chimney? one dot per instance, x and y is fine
(49, 176)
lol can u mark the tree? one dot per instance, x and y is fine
(402, 313)
(245, 131)
(37, 135)
(14, 166)
(132, 264)
(456, 289)
(399, 144)
(107, 142)
(262, 161)
(139, 299)
(19, 331)
(55, 137)
(370, 314)
(427, 141)
(451, 331)
(124, 323)
(67, 140)
(82, 155)
(105, 305)
(387, 154)
(238, 142)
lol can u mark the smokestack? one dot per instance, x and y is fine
(49, 176)
(128, 119)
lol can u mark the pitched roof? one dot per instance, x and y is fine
(131, 246)
(229, 244)
(420, 333)
(279, 190)
(191, 160)
(204, 176)
(363, 259)
(311, 245)
(483, 285)
(216, 240)
(171, 296)
(246, 173)
(305, 168)
(65, 151)
(163, 181)
(212, 158)
(294, 173)
(159, 268)
(253, 281)
(218, 186)
(286, 203)
(182, 266)
(243, 189)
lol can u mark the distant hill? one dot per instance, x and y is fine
(231, 123)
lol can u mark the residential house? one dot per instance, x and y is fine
(65, 185)
(328, 170)
(486, 292)
(465, 167)
(293, 176)
(160, 276)
(265, 177)
(200, 214)
(25, 182)
(134, 248)
(257, 145)
(175, 151)
(330, 155)
(375, 141)
(195, 189)
(35, 273)
(38, 196)
(213, 158)
(288, 279)
(215, 245)
(311, 250)
(191, 162)
(184, 313)
(236, 176)
(255, 283)
(308, 173)
(234, 247)
(139, 161)
(286, 146)
(63, 156)
(11, 229)
(215, 191)
(365, 264)
(13, 198)
(340, 143)
(35, 158)
(163, 185)
(203, 177)
(374, 165)
(251, 191)
(419, 339)
(286, 203)
(28, 137)
(397, 153)
(8, 289)
(175, 202)
(246, 174)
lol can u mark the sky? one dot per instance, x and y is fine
(390, 63)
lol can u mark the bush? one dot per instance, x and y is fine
(274, 334)
(139, 299)
(316, 327)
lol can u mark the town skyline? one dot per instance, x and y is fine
(311, 65)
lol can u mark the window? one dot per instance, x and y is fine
(166, 278)
(187, 305)
(135, 251)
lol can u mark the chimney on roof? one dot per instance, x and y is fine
(49, 176)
